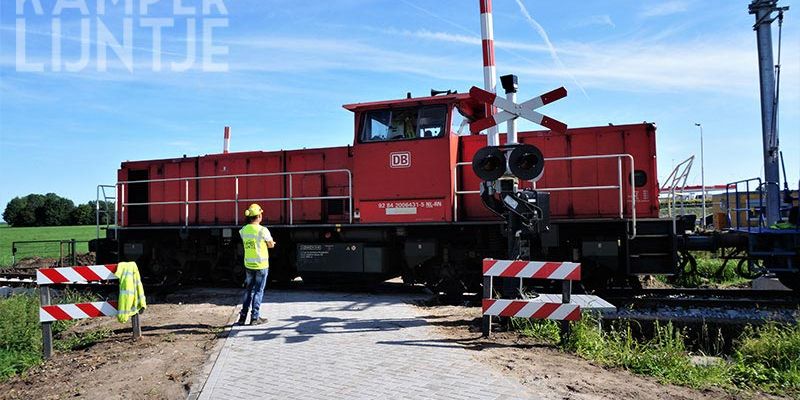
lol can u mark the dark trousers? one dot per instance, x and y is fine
(254, 284)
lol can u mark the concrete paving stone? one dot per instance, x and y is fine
(320, 345)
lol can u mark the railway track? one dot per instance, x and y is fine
(698, 307)
(698, 297)
(18, 280)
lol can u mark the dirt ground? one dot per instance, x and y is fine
(180, 332)
(178, 335)
(544, 368)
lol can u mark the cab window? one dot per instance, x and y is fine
(404, 124)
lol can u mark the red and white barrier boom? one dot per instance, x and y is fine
(62, 312)
(489, 70)
(564, 307)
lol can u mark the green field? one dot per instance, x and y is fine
(8, 235)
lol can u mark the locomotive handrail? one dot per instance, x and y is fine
(677, 178)
(105, 211)
(618, 186)
(186, 202)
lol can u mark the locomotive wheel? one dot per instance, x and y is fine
(687, 266)
(157, 270)
(445, 279)
(595, 276)
(749, 269)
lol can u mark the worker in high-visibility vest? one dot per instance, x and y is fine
(257, 241)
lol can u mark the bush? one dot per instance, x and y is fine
(55, 211)
(15, 362)
(769, 357)
(19, 324)
(545, 331)
(664, 356)
(765, 358)
(83, 214)
(21, 333)
(52, 210)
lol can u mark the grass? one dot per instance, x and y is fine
(9, 235)
(707, 274)
(765, 358)
(21, 333)
(769, 358)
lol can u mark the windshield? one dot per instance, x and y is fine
(404, 123)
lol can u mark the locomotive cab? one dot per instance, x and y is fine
(405, 153)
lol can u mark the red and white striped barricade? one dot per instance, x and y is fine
(49, 313)
(565, 307)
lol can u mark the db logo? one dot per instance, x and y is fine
(400, 159)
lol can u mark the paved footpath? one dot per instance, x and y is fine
(320, 345)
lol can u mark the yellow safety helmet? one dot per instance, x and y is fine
(253, 211)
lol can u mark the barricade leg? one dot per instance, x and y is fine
(566, 292)
(47, 331)
(486, 326)
(137, 327)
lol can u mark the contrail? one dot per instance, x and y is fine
(533, 23)
(540, 30)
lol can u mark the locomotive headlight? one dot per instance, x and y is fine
(526, 162)
(489, 163)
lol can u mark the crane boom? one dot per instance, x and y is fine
(763, 10)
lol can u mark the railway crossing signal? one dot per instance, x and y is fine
(513, 110)
(489, 163)
(526, 162)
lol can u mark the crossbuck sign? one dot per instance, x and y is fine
(513, 110)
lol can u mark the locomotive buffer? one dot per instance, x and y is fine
(526, 211)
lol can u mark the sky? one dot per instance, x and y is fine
(87, 84)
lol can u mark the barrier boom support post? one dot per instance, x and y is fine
(47, 327)
(566, 297)
(486, 325)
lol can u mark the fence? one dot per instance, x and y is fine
(49, 313)
(67, 251)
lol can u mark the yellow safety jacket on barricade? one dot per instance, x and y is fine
(256, 252)
(131, 291)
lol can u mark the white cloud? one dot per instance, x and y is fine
(552, 49)
(603, 20)
(664, 8)
(722, 64)
(292, 54)
(467, 39)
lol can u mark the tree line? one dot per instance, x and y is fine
(53, 210)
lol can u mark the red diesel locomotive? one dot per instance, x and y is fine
(402, 200)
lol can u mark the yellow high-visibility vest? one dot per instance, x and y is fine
(256, 252)
(131, 292)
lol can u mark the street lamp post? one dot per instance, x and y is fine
(702, 175)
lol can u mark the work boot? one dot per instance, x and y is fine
(242, 320)
(258, 321)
